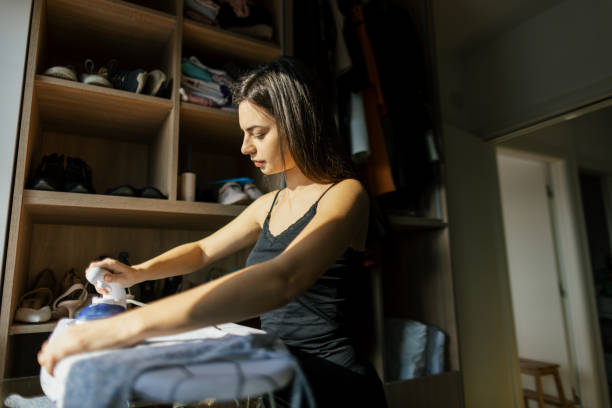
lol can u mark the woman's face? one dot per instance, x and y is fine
(261, 141)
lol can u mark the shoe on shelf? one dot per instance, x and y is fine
(151, 192)
(166, 89)
(231, 193)
(50, 173)
(93, 78)
(64, 72)
(125, 80)
(124, 190)
(155, 81)
(252, 191)
(77, 177)
(127, 190)
(74, 295)
(34, 305)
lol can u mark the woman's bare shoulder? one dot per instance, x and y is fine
(262, 205)
(348, 193)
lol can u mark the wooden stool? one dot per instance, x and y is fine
(539, 369)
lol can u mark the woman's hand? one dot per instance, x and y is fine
(70, 341)
(107, 333)
(122, 274)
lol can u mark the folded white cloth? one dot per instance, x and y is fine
(224, 362)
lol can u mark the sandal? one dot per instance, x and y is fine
(73, 296)
(33, 306)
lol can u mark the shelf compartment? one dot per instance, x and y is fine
(30, 328)
(220, 45)
(210, 129)
(420, 263)
(138, 37)
(74, 107)
(52, 207)
(165, 6)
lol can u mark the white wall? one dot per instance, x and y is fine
(14, 29)
(487, 346)
(553, 61)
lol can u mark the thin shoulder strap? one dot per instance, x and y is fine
(321, 196)
(273, 202)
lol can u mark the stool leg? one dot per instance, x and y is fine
(559, 386)
(540, 391)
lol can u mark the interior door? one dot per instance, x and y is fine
(537, 292)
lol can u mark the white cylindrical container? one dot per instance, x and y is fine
(188, 186)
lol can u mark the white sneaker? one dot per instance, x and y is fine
(92, 78)
(252, 191)
(66, 72)
(231, 193)
(154, 82)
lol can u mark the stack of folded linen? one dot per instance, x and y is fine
(204, 85)
(204, 11)
(240, 16)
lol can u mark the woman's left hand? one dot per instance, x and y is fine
(70, 341)
(81, 338)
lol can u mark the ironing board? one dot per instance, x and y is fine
(221, 380)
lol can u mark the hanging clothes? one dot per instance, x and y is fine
(404, 84)
(378, 171)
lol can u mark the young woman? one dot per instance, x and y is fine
(309, 239)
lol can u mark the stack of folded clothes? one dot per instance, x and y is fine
(204, 85)
(241, 16)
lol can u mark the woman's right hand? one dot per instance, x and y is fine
(121, 273)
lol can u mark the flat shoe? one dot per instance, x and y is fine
(33, 306)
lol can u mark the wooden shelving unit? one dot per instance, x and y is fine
(138, 139)
(125, 138)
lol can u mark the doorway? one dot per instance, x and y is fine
(534, 263)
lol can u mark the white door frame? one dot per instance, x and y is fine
(586, 351)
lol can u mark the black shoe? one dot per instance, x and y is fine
(124, 190)
(78, 176)
(126, 80)
(151, 192)
(50, 173)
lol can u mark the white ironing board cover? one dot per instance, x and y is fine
(191, 382)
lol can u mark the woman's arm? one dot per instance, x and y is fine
(183, 259)
(246, 293)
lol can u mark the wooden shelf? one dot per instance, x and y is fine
(215, 42)
(405, 222)
(31, 328)
(114, 21)
(210, 128)
(52, 207)
(74, 107)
